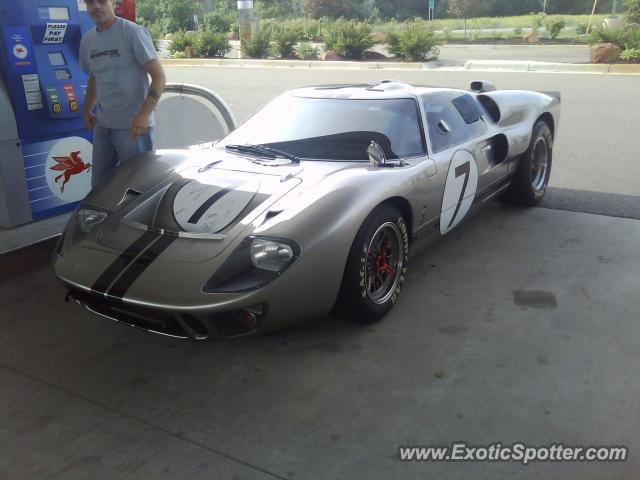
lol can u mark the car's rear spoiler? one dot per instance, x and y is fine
(556, 95)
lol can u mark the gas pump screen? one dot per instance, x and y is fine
(54, 13)
(57, 59)
(58, 13)
(63, 74)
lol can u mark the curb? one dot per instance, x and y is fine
(470, 65)
(318, 64)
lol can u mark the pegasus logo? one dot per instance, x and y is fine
(19, 50)
(71, 165)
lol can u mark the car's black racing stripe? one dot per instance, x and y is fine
(140, 265)
(119, 264)
(197, 215)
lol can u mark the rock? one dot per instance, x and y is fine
(605, 53)
(372, 55)
(532, 37)
(331, 55)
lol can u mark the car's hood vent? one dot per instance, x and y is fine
(212, 206)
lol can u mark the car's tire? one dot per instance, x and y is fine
(530, 180)
(376, 266)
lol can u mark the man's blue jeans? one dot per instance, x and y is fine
(112, 147)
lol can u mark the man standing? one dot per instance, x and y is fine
(119, 57)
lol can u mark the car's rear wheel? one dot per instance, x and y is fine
(376, 265)
(531, 177)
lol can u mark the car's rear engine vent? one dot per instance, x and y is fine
(389, 85)
(490, 106)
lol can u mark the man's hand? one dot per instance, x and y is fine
(89, 120)
(139, 126)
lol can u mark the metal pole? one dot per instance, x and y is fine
(614, 8)
(595, 4)
(544, 7)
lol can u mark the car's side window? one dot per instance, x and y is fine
(452, 119)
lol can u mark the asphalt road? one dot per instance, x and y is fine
(596, 150)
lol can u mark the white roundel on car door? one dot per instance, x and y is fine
(205, 208)
(459, 191)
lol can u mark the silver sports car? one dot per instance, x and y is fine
(313, 202)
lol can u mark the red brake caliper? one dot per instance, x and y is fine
(381, 261)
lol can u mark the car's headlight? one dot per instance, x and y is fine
(88, 219)
(270, 255)
(257, 261)
(82, 222)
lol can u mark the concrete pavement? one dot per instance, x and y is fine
(521, 325)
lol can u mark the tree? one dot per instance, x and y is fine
(402, 9)
(466, 8)
(326, 8)
(632, 9)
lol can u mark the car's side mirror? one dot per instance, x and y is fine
(376, 154)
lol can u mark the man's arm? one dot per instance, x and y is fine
(140, 123)
(89, 102)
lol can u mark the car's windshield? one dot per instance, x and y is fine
(334, 129)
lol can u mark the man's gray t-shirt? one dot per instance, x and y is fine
(115, 58)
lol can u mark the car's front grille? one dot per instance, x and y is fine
(179, 325)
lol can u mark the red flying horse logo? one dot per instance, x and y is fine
(71, 165)
(19, 50)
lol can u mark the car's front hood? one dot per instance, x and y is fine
(207, 200)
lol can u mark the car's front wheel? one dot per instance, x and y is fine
(376, 265)
(531, 177)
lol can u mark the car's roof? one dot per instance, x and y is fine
(386, 89)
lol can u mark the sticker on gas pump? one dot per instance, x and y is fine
(68, 168)
(54, 33)
(32, 93)
(82, 7)
(20, 51)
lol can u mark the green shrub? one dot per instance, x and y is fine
(517, 32)
(258, 45)
(581, 28)
(155, 30)
(474, 35)
(413, 42)
(306, 51)
(631, 55)
(349, 39)
(538, 20)
(497, 35)
(211, 44)
(285, 39)
(446, 34)
(180, 40)
(218, 22)
(627, 37)
(312, 30)
(555, 27)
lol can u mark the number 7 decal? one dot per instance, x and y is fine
(459, 190)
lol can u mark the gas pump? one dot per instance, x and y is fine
(45, 151)
(125, 9)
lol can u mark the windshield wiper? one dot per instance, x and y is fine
(262, 150)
